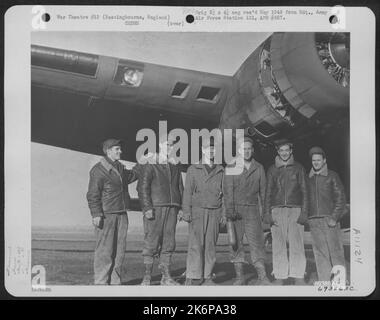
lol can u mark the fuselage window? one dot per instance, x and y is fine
(208, 94)
(180, 90)
(265, 129)
(128, 75)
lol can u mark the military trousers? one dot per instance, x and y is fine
(285, 231)
(248, 224)
(327, 247)
(111, 241)
(159, 235)
(203, 236)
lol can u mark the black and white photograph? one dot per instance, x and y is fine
(175, 160)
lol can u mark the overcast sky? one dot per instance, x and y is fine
(60, 176)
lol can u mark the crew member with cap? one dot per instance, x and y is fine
(244, 195)
(327, 207)
(202, 208)
(108, 200)
(285, 209)
(160, 191)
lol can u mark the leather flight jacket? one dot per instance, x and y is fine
(160, 185)
(108, 188)
(326, 194)
(286, 187)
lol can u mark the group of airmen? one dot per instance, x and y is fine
(285, 197)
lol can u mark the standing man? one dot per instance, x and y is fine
(160, 192)
(243, 197)
(202, 208)
(286, 205)
(327, 207)
(108, 200)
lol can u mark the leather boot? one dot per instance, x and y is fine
(277, 282)
(262, 279)
(239, 280)
(166, 279)
(148, 274)
(208, 282)
(300, 282)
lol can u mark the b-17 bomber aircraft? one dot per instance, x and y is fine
(293, 86)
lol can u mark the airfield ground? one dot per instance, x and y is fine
(68, 259)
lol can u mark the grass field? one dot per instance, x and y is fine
(68, 259)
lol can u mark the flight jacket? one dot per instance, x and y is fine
(108, 188)
(160, 185)
(202, 189)
(245, 189)
(326, 194)
(286, 187)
